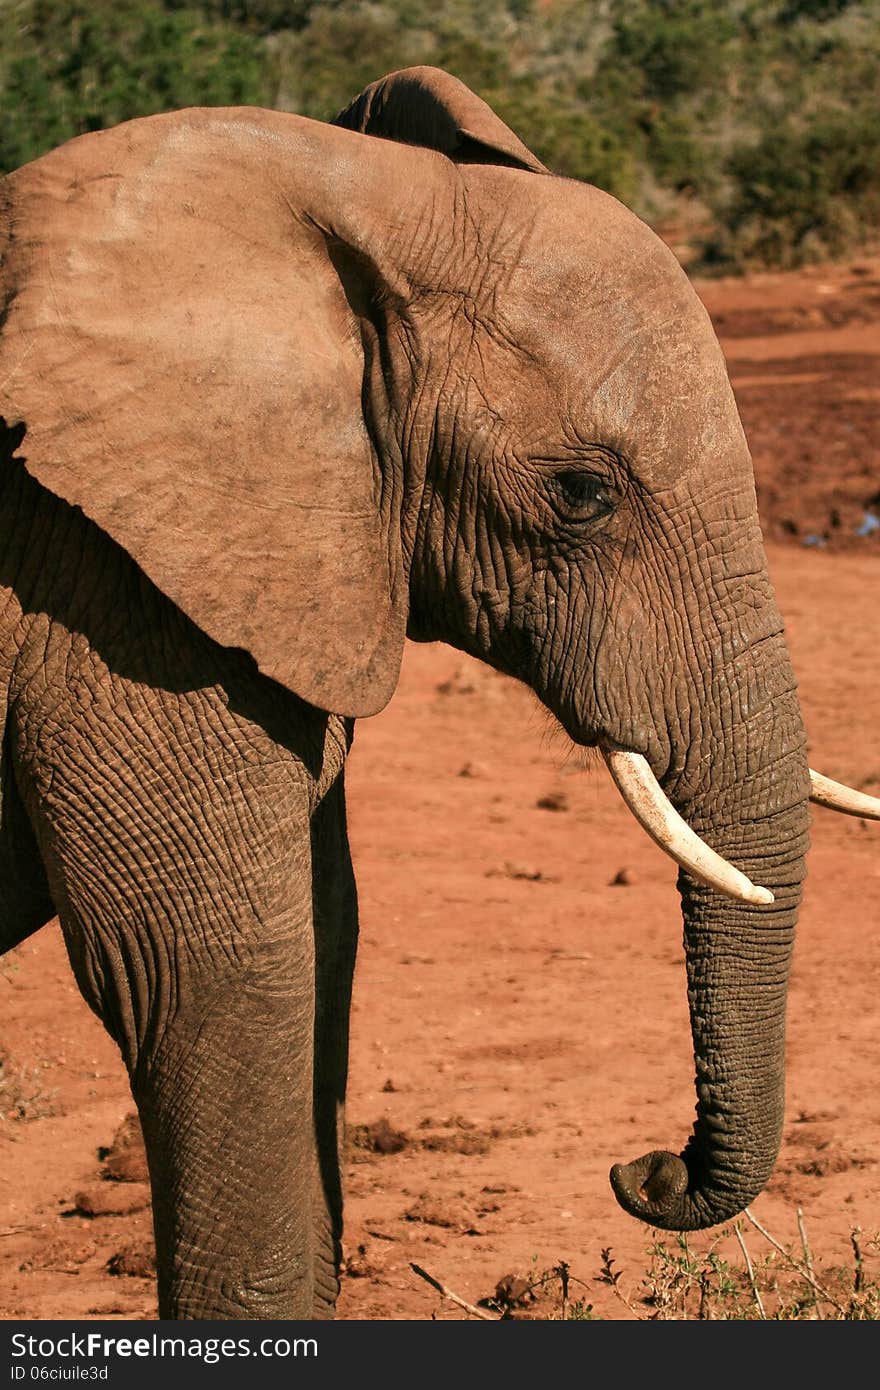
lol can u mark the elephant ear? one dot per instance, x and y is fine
(179, 347)
(426, 106)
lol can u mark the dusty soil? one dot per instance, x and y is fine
(520, 1018)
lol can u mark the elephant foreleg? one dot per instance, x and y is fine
(334, 900)
(203, 970)
(176, 832)
(226, 1106)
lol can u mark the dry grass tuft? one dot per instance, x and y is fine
(681, 1284)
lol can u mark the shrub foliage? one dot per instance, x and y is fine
(750, 125)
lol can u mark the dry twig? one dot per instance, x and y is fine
(796, 1264)
(808, 1260)
(453, 1297)
(756, 1293)
(562, 1270)
(855, 1242)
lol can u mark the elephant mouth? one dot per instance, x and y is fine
(657, 816)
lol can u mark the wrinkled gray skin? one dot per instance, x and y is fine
(564, 491)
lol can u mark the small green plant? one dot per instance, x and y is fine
(682, 1284)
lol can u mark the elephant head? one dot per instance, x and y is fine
(332, 384)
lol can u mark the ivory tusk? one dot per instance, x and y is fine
(655, 813)
(838, 797)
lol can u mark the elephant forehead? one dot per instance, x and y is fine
(665, 403)
(622, 341)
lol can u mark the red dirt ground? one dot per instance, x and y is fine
(520, 1020)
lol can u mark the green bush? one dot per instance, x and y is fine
(800, 195)
(756, 115)
(672, 47)
(67, 67)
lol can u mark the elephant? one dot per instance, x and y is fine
(275, 395)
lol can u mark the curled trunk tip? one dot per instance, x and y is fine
(652, 1187)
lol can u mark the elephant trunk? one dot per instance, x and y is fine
(738, 956)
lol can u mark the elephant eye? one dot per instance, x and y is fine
(583, 496)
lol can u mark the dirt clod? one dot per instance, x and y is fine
(112, 1199)
(133, 1261)
(380, 1137)
(527, 873)
(474, 769)
(126, 1159)
(434, 1211)
(513, 1291)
